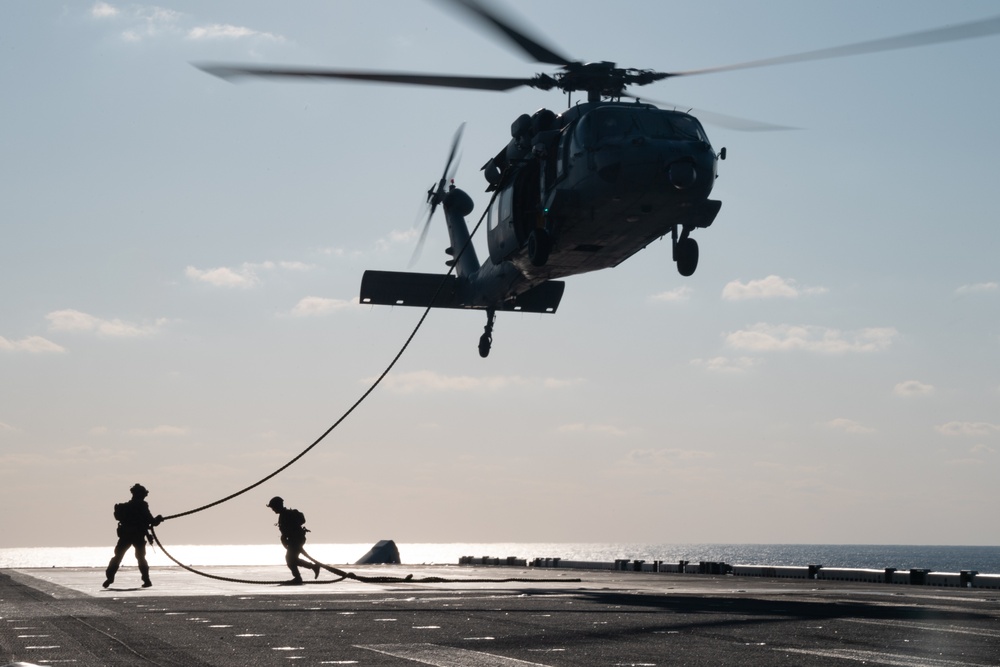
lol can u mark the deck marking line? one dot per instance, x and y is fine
(956, 629)
(446, 656)
(875, 657)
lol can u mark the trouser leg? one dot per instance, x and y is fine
(140, 556)
(293, 560)
(116, 560)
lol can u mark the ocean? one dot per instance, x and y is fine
(984, 559)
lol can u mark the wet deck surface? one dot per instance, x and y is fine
(63, 616)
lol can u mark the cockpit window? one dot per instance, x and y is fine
(658, 124)
(614, 124)
(617, 123)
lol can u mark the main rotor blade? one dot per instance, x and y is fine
(505, 26)
(721, 120)
(970, 30)
(231, 72)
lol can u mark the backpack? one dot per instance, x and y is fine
(296, 518)
(293, 523)
(121, 511)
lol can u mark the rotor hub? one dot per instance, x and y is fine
(598, 79)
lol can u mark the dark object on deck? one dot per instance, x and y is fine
(383, 553)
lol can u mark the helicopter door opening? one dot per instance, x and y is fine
(527, 200)
(500, 226)
(564, 157)
(515, 213)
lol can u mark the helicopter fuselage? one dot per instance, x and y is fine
(604, 182)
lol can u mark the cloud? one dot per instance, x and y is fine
(146, 22)
(226, 31)
(335, 251)
(103, 10)
(389, 243)
(725, 364)
(596, 429)
(973, 429)
(244, 276)
(157, 431)
(150, 21)
(397, 237)
(848, 426)
(317, 305)
(763, 337)
(429, 381)
(978, 288)
(674, 295)
(766, 288)
(75, 320)
(912, 388)
(6, 427)
(296, 266)
(31, 344)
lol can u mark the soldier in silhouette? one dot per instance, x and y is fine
(134, 522)
(291, 524)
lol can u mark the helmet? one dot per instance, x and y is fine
(139, 490)
(277, 501)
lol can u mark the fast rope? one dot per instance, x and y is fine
(367, 392)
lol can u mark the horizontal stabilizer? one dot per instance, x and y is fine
(543, 298)
(398, 288)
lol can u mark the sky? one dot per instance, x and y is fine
(181, 260)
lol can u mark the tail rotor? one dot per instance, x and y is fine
(436, 194)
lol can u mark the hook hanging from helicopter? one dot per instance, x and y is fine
(578, 191)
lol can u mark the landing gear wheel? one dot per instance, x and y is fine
(687, 256)
(539, 246)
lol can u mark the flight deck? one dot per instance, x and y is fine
(541, 616)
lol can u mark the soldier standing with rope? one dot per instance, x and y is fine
(292, 525)
(134, 522)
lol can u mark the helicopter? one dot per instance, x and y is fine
(576, 191)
